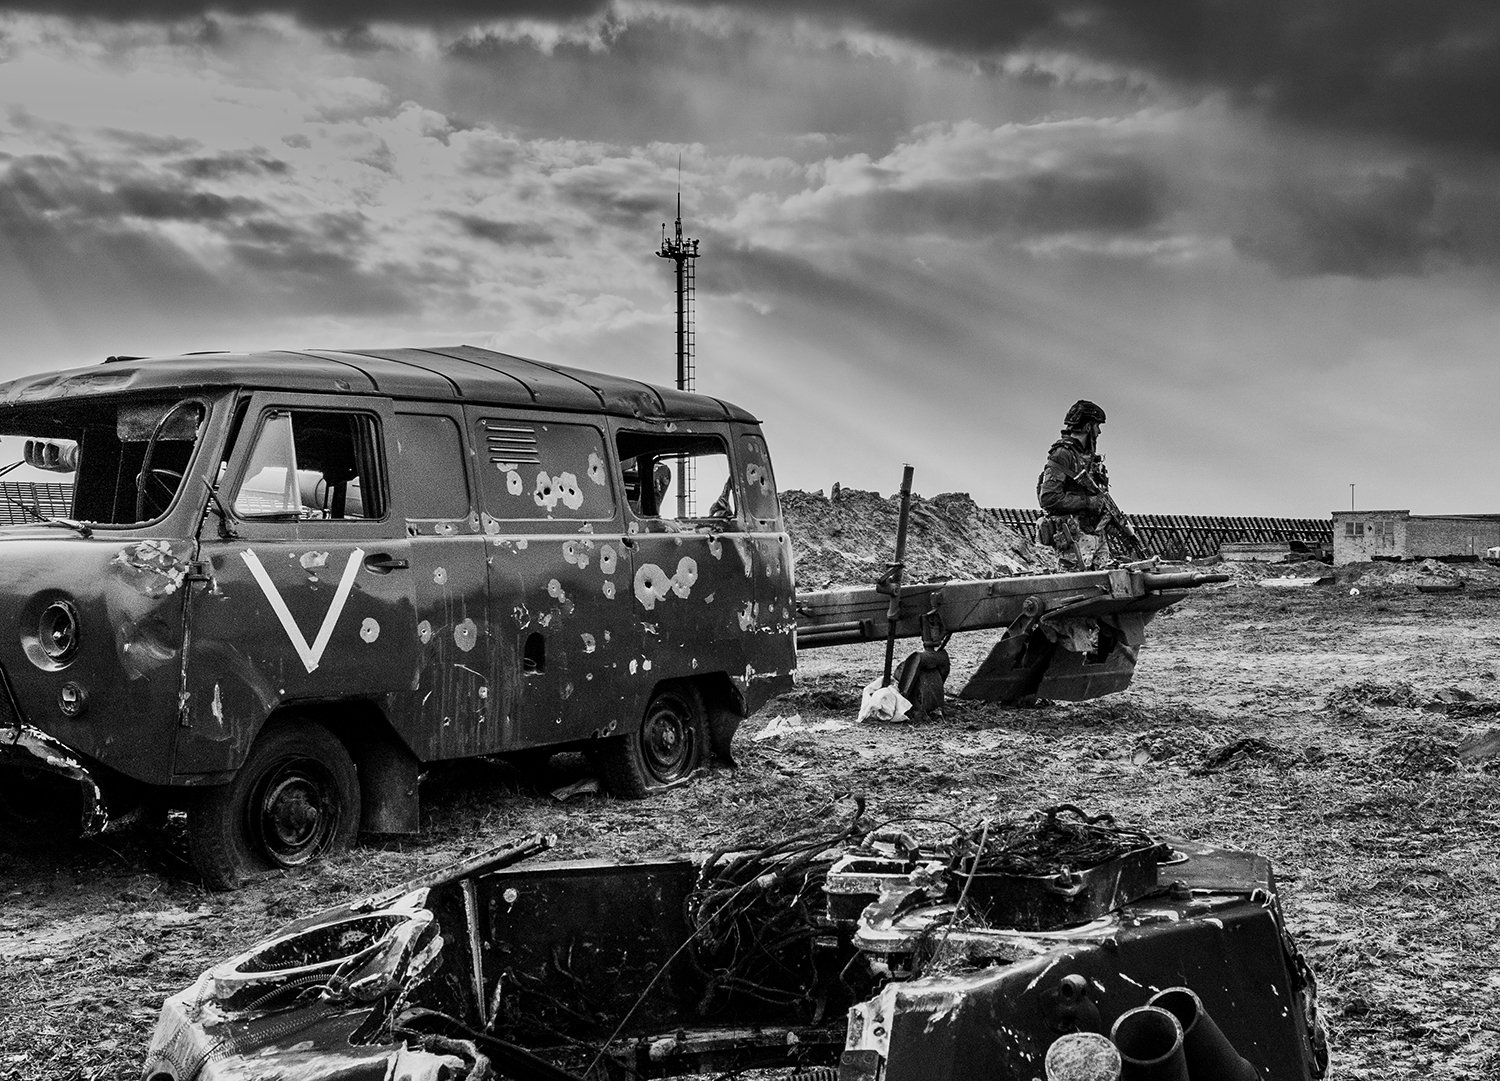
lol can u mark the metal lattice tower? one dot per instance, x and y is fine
(684, 255)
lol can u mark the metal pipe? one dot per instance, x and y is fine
(1150, 1043)
(893, 610)
(1207, 1050)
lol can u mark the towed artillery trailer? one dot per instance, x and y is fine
(290, 580)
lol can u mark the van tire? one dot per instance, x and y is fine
(670, 745)
(295, 799)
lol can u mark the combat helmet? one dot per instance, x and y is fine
(1083, 412)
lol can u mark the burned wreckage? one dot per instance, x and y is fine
(289, 581)
(1056, 946)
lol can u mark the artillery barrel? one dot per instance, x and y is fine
(1180, 579)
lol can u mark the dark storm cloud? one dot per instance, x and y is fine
(1426, 71)
(1108, 195)
(76, 192)
(1383, 225)
(225, 166)
(82, 230)
(322, 13)
(503, 233)
(608, 195)
(170, 202)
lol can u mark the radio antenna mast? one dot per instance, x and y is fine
(684, 253)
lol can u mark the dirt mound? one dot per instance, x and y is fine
(849, 539)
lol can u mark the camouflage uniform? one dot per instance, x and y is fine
(1073, 519)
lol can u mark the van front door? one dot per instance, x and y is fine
(303, 592)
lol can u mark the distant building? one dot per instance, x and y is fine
(1363, 535)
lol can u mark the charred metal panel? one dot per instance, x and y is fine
(1216, 929)
(994, 1023)
(42, 782)
(580, 943)
(559, 576)
(595, 960)
(127, 599)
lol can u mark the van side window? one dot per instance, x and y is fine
(313, 466)
(539, 470)
(431, 474)
(677, 477)
(760, 484)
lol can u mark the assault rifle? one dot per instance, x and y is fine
(1115, 528)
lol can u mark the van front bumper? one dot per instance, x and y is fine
(44, 785)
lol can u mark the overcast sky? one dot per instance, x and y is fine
(1265, 236)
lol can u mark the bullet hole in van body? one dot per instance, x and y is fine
(534, 655)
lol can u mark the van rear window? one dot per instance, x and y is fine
(677, 476)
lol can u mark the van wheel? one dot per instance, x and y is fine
(295, 798)
(670, 745)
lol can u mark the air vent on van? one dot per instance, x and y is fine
(510, 443)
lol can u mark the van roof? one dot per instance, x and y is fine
(446, 373)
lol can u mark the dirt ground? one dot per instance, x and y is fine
(1324, 725)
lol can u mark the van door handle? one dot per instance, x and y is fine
(381, 563)
(627, 541)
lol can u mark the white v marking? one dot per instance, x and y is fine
(310, 654)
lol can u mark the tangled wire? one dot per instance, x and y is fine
(754, 916)
(1045, 844)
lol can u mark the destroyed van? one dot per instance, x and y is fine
(288, 580)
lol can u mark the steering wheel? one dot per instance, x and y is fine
(149, 474)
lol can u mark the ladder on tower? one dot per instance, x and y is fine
(686, 467)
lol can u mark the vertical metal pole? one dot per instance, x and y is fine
(893, 610)
(681, 264)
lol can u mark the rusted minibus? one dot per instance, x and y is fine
(288, 580)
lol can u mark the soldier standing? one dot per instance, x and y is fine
(1069, 491)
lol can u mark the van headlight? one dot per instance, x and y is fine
(57, 632)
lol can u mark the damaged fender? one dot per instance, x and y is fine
(45, 786)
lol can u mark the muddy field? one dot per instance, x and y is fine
(1319, 724)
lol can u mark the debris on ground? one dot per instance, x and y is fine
(881, 701)
(1481, 746)
(1249, 751)
(794, 725)
(586, 786)
(848, 948)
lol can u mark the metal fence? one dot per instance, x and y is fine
(1180, 536)
(24, 501)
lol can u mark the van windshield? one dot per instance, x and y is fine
(114, 462)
